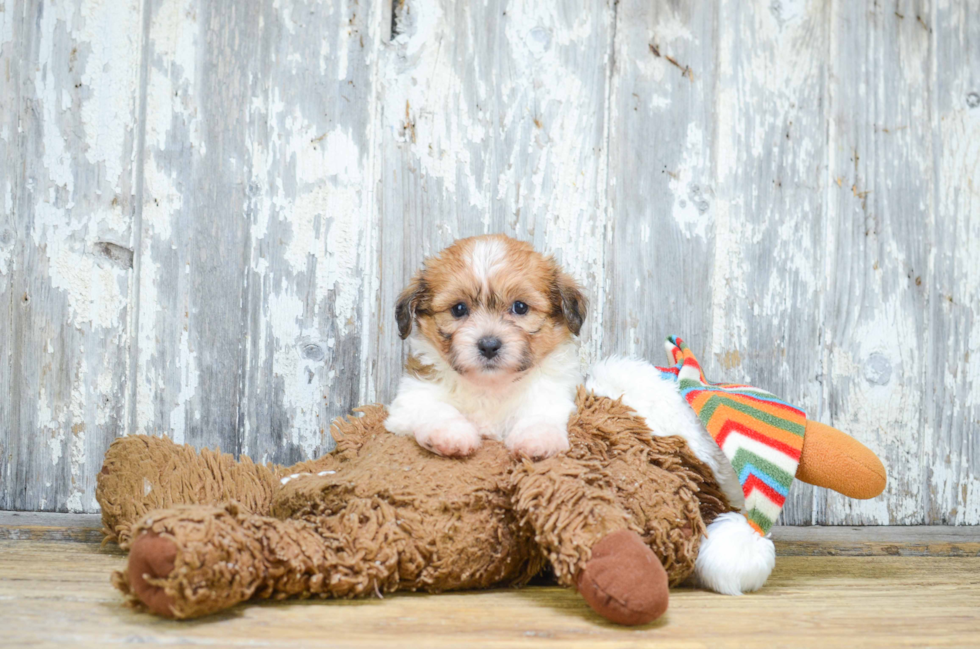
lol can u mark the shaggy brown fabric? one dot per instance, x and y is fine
(617, 476)
(381, 514)
(142, 473)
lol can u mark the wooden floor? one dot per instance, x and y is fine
(54, 591)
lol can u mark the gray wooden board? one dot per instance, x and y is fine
(256, 213)
(952, 413)
(878, 325)
(769, 234)
(68, 132)
(662, 199)
(493, 121)
(207, 210)
(934, 540)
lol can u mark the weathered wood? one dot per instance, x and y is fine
(194, 226)
(662, 203)
(771, 188)
(68, 129)
(933, 541)
(255, 226)
(494, 118)
(313, 127)
(897, 540)
(952, 409)
(44, 526)
(206, 213)
(808, 602)
(878, 328)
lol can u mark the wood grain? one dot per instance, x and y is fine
(659, 255)
(69, 124)
(313, 216)
(194, 231)
(917, 540)
(46, 526)
(771, 185)
(895, 540)
(206, 213)
(952, 415)
(493, 121)
(254, 230)
(808, 602)
(878, 326)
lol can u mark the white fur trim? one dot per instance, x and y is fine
(733, 558)
(659, 402)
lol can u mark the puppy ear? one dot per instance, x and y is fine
(408, 304)
(573, 303)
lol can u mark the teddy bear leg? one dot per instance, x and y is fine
(142, 473)
(585, 535)
(624, 580)
(191, 561)
(151, 559)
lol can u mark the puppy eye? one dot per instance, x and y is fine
(519, 308)
(459, 310)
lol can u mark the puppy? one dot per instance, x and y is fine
(491, 326)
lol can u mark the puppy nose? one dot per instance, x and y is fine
(489, 346)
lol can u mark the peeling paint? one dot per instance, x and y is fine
(6, 254)
(301, 394)
(95, 291)
(189, 376)
(439, 134)
(691, 209)
(793, 189)
(111, 77)
(56, 160)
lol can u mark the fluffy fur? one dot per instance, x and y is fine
(733, 558)
(453, 392)
(660, 403)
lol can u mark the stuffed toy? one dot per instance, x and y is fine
(640, 502)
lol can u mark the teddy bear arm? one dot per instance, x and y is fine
(141, 473)
(568, 515)
(191, 561)
(585, 534)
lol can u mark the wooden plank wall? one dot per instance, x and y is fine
(207, 210)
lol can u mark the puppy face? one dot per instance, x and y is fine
(491, 306)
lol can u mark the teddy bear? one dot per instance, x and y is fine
(620, 517)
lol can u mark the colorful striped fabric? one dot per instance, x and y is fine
(760, 434)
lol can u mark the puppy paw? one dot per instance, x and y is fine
(537, 439)
(455, 437)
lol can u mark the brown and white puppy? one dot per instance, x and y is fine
(491, 326)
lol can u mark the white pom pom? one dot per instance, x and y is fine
(733, 558)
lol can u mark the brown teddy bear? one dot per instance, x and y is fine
(619, 517)
(624, 513)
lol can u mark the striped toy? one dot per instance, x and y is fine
(760, 434)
